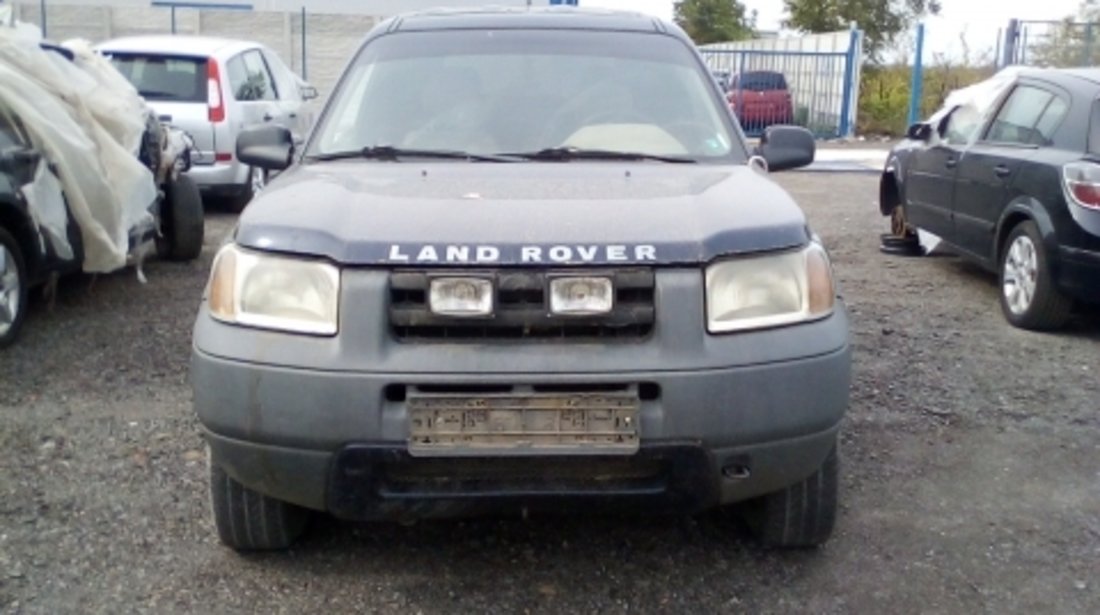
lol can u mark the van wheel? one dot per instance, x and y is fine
(13, 288)
(247, 520)
(1029, 298)
(800, 516)
(182, 224)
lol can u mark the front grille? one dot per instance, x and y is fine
(522, 309)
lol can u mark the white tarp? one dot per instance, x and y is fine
(88, 126)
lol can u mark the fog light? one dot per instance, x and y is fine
(461, 297)
(581, 296)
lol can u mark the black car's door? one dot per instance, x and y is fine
(1025, 122)
(930, 180)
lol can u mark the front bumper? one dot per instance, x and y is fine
(328, 441)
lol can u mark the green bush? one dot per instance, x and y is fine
(884, 94)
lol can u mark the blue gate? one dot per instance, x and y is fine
(814, 89)
(1057, 44)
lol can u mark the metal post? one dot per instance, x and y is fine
(173, 20)
(1009, 50)
(997, 49)
(1023, 46)
(304, 72)
(42, 9)
(846, 127)
(916, 87)
(1087, 60)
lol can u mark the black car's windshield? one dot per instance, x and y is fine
(528, 91)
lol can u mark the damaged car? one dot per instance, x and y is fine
(441, 308)
(89, 179)
(1007, 175)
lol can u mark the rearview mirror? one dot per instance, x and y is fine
(308, 92)
(787, 147)
(919, 132)
(267, 147)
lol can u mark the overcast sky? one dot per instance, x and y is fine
(979, 19)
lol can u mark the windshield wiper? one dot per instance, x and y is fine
(565, 154)
(391, 153)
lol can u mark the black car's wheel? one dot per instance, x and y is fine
(1029, 297)
(250, 521)
(13, 288)
(800, 516)
(182, 224)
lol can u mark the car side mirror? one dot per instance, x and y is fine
(267, 147)
(309, 92)
(786, 147)
(919, 132)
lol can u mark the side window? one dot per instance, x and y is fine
(1051, 119)
(286, 86)
(249, 77)
(1017, 120)
(962, 124)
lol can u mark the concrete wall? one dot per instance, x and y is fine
(331, 37)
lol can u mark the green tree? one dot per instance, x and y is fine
(713, 21)
(880, 20)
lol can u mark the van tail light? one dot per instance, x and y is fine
(223, 157)
(1082, 183)
(214, 102)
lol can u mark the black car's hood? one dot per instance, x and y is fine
(370, 213)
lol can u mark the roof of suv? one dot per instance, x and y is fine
(564, 18)
(180, 44)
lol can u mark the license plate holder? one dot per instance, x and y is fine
(523, 424)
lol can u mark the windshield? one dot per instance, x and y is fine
(762, 81)
(167, 78)
(521, 91)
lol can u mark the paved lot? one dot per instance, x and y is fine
(971, 473)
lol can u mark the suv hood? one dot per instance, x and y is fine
(569, 213)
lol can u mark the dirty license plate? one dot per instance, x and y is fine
(466, 425)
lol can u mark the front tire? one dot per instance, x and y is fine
(247, 520)
(1029, 297)
(13, 289)
(800, 516)
(182, 223)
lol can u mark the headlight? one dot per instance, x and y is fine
(274, 292)
(769, 291)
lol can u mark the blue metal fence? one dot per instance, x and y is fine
(814, 89)
(1059, 44)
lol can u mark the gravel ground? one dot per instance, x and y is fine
(970, 476)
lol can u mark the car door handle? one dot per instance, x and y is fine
(292, 115)
(951, 163)
(268, 117)
(1002, 171)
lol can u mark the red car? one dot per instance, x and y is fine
(760, 99)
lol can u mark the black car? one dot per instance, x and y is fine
(1008, 175)
(35, 245)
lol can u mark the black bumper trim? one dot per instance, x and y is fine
(382, 481)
